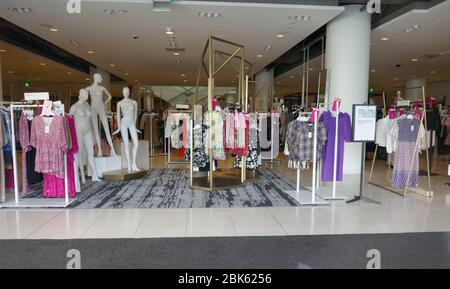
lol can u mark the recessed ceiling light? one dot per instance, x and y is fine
(412, 28)
(91, 52)
(68, 72)
(209, 15)
(280, 35)
(136, 80)
(42, 64)
(126, 73)
(259, 55)
(20, 10)
(414, 60)
(87, 79)
(373, 70)
(115, 11)
(247, 67)
(53, 29)
(185, 80)
(311, 69)
(395, 79)
(176, 53)
(385, 38)
(443, 53)
(169, 31)
(112, 65)
(10, 72)
(432, 72)
(291, 76)
(2, 50)
(278, 82)
(183, 75)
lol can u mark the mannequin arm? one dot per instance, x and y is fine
(118, 119)
(135, 114)
(108, 94)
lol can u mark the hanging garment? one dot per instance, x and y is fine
(214, 122)
(29, 174)
(200, 159)
(254, 151)
(384, 125)
(3, 141)
(7, 151)
(300, 142)
(404, 135)
(48, 136)
(344, 135)
(230, 130)
(446, 126)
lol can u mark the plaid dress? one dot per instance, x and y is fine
(300, 142)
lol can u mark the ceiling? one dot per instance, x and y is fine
(145, 59)
(430, 44)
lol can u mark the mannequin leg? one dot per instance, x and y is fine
(124, 133)
(80, 158)
(96, 132)
(89, 146)
(135, 140)
(105, 125)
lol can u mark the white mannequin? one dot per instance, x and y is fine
(99, 111)
(82, 114)
(128, 107)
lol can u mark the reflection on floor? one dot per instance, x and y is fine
(413, 213)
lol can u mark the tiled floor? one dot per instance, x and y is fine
(413, 213)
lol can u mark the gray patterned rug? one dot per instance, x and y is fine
(169, 188)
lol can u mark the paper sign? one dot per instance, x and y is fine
(47, 108)
(37, 96)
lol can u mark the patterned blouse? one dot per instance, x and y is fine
(50, 142)
(300, 142)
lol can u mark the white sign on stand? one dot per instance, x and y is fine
(36, 95)
(364, 122)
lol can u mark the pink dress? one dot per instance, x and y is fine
(53, 185)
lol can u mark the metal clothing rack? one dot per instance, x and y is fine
(169, 157)
(302, 196)
(417, 190)
(221, 179)
(19, 202)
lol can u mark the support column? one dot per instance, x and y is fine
(413, 89)
(264, 82)
(106, 80)
(347, 59)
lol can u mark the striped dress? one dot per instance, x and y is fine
(408, 130)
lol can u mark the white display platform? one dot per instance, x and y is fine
(304, 197)
(143, 155)
(37, 203)
(107, 164)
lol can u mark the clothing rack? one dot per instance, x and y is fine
(169, 157)
(400, 191)
(33, 202)
(334, 195)
(301, 196)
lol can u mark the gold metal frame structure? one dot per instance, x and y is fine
(404, 191)
(221, 179)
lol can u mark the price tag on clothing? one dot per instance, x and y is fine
(412, 128)
(310, 134)
(47, 128)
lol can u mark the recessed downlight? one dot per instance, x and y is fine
(176, 53)
(69, 72)
(259, 55)
(2, 50)
(183, 74)
(10, 72)
(42, 64)
(87, 79)
(414, 59)
(112, 65)
(90, 52)
(280, 35)
(291, 76)
(169, 31)
(373, 70)
(126, 73)
(432, 72)
(54, 29)
(385, 38)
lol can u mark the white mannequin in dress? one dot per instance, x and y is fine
(82, 114)
(128, 108)
(99, 111)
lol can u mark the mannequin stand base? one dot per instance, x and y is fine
(361, 198)
(124, 175)
(304, 198)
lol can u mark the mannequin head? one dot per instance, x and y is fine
(98, 78)
(126, 92)
(83, 95)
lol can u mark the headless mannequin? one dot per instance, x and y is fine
(83, 125)
(128, 108)
(99, 111)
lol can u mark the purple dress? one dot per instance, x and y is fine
(344, 135)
